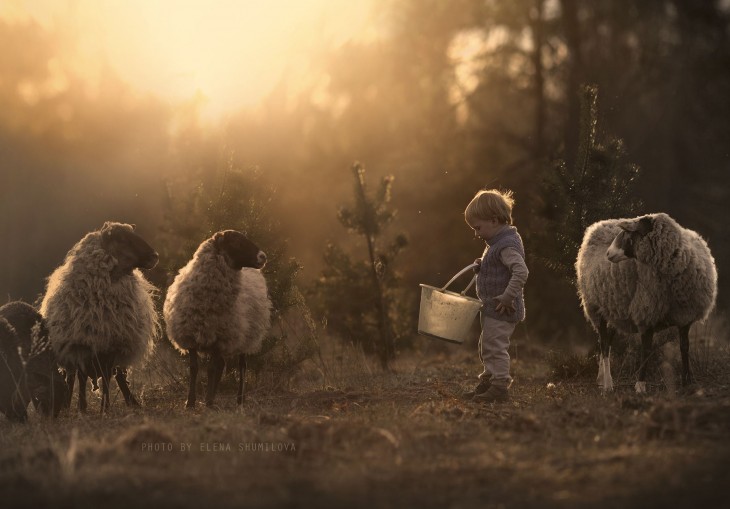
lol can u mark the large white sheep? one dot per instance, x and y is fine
(644, 275)
(218, 304)
(99, 308)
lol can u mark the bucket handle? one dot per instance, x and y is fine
(462, 271)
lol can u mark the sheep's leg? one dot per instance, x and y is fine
(104, 392)
(684, 349)
(59, 399)
(647, 337)
(241, 378)
(121, 377)
(82, 376)
(70, 379)
(106, 365)
(215, 371)
(605, 381)
(608, 379)
(193, 355)
(605, 338)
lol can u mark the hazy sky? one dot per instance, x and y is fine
(231, 51)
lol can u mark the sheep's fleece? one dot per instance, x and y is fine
(88, 313)
(672, 281)
(211, 306)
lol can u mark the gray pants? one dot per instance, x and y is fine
(494, 350)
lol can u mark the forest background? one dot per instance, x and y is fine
(446, 97)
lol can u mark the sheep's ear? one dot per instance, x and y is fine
(218, 238)
(106, 230)
(627, 226)
(642, 226)
(645, 225)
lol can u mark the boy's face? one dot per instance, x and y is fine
(485, 229)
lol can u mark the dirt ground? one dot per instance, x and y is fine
(359, 437)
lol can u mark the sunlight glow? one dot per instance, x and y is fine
(230, 52)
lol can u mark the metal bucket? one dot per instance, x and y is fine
(447, 315)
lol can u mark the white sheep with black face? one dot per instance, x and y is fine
(219, 305)
(644, 275)
(99, 308)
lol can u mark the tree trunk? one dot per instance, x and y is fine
(571, 25)
(537, 22)
(384, 345)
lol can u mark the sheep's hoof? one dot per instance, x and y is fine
(605, 384)
(640, 387)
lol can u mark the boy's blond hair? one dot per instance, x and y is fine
(490, 204)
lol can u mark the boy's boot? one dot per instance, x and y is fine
(495, 394)
(483, 387)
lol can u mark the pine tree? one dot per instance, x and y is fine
(361, 299)
(600, 185)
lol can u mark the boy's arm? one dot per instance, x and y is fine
(516, 265)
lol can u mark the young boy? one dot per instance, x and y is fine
(501, 277)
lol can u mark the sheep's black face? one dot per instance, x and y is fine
(47, 388)
(130, 250)
(238, 250)
(623, 246)
(23, 317)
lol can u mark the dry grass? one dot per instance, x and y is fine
(345, 433)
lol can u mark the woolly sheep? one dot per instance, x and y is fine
(47, 388)
(99, 308)
(218, 304)
(644, 275)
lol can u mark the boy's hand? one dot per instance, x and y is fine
(504, 304)
(478, 263)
